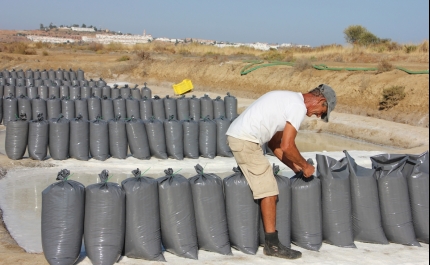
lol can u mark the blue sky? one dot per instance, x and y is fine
(311, 22)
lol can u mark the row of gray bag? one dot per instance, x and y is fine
(124, 104)
(343, 204)
(99, 139)
(60, 74)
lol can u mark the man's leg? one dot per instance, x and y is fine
(268, 213)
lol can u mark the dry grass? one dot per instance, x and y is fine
(384, 66)
(391, 97)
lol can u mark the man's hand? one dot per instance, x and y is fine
(308, 171)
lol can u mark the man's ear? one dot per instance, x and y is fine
(321, 100)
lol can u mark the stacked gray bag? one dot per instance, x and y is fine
(59, 130)
(107, 108)
(158, 108)
(16, 137)
(394, 199)
(145, 108)
(418, 183)
(63, 208)
(10, 109)
(206, 107)
(283, 210)
(142, 230)
(81, 108)
(336, 201)
(118, 144)
(222, 148)
(183, 108)
(209, 207)
(38, 105)
(195, 112)
(306, 212)
(68, 108)
(132, 107)
(230, 106)
(170, 107)
(137, 138)
(24, 106)
(219, 107)
(178, 224)
(207, 138)
(174, 138)
(79, 139)
(99, 139)
(242, 213)
(366, 213)
(191, 138)
(156, 139)
(104, 221)
(38, 136)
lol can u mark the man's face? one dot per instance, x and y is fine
(318, 108)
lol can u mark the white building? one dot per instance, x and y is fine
(83, 29)
(36, 38)
(124, 39)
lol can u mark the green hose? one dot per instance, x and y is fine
(254, 65)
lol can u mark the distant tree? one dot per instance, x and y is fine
(51, 25)
(75, 25)
(41, 26)
(95, 29)
(353, 33)
(61, 26)
(83, 26)
(368, 38)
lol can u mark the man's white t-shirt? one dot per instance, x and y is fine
(268, 115)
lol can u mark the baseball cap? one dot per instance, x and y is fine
(330, 96)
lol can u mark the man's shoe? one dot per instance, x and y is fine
(272, 247)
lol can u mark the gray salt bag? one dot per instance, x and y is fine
(38, 105)
(104, 221)
(366, 213)
(207, 138)
(59, 130)
(178, 224)
(68, 108)
(64, 91)
(74, 92)
(336, 201)
(230, 106)
(145, 108)
(1, 110)
(157, 142)
(242, 213)
(107, 108)
(43, 92)
(209, 207)
(191, 138)
(195, 112)
(206, 107)
(183, 108)
(16, 138)
(306, 212)
(9, 90)
(94, 107)
(80, 74)
(170, 107)
(38, 137)
(106, 92)
(135, 93)
(10, 109)
(137, 138)
(394, 199)
(222, 148)
(24, 106)
(81, 108)
(283, 210)
(142, 228)
(63, 209)
(119, 107)
(91, 83)
(146, 92)
(53, 107)
(219, 108)
(267, 150)
(158, 108)
(79, 139)
(418, 183)
(125, 91)
(99, 139)
(101, 83)
(132, 107)
(97, 91)
(115, 92)
(54, 91)
(118, 144)
(174, 138)
(86, 92)
(20, 90)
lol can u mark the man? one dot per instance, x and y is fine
(275, 118)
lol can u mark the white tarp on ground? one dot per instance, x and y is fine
(20, 201)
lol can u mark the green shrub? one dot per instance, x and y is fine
(410, 48)
(391, 97)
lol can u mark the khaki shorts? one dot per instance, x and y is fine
(255, 166)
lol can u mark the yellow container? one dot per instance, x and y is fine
(183, 87)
